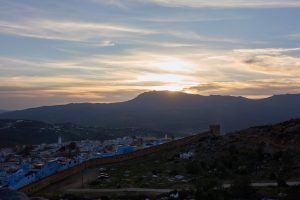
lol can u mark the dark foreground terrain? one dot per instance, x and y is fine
(252, 164)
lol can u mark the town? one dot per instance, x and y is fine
(24, 165)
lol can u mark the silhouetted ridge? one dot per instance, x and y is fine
(171, 111)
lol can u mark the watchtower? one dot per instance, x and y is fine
(215, 129)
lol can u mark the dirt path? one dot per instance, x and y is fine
(227, 185)
(139, 190)
(267, 184)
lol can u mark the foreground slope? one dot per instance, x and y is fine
(263, 156)
(172, 111)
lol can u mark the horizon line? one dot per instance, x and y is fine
(152, 91)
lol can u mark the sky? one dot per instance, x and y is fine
(57, 52)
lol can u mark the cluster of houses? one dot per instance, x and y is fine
(24, 165)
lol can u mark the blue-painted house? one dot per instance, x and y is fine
(124, 149)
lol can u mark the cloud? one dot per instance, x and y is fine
(194, 36)
(105, 51)
(115, 3)
(212, 4)
(17, 98)
(228, 3)
(69, 30)
(251, 89)
(127, 28)
(101, 77)
(293, 36)
(272, 61)
(205, 87)
(104, 34)
(280, 64)
(125, 4)
(266, 51)
(13, 8)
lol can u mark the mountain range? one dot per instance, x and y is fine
(170, 111)
(3, 111)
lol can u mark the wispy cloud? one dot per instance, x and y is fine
(103, 78)
(293, 36)
(69, 30)
(250, 89)
(228, 3)
(212, 4)
(55, 52)
(272, 60)
(101, 34)
(268, 51)
(194, 36)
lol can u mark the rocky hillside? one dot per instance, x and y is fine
(266, 154)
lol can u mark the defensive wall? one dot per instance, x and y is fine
(59, 176)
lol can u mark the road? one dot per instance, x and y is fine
(266, 184)
(120, 190)
(161, 191)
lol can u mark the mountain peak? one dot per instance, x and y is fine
(163, 96)
(162, 93)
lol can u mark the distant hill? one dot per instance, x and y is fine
(171, 111)
(30, 132)
(3, 111)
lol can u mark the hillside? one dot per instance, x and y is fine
(171, 111)
(265, 154)
(259, 154)
(3, 111)
(262, 153)
(30, 132)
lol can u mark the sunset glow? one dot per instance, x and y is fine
(118, 49)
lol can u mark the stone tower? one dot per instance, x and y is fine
(215, 129)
